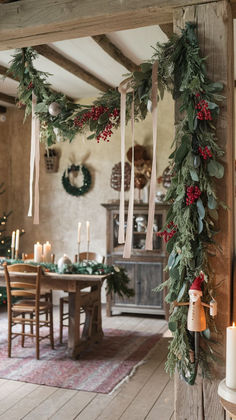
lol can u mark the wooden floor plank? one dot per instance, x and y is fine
(95, 408)
(74, 406)
(164, 406)
(146, 397)
(28, 403)
(49, 406)
(13, 398)
(128, 391)
(9, 387)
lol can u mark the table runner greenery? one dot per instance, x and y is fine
(117, 282)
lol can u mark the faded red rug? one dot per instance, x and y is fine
(99, 369)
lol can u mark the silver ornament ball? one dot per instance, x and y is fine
(54, 109)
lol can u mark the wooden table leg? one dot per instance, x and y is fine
(74, 323)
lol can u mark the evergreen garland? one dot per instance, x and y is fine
(72, 189)
(191, 221)
(117, 282)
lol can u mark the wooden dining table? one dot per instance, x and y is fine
(75, 284)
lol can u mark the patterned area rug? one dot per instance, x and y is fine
(99, 369)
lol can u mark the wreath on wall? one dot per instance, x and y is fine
(191, 223)
(73, 189)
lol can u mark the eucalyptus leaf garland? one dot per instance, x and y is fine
(191, 223)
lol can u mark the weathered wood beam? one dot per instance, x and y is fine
(7, 98)
(3, 72)
(168, 29)
(215, 35)
(115, 52)
(72, 67)
(30, 22)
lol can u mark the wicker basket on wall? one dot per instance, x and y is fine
(51, 159)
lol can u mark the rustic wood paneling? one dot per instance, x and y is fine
(216, 41)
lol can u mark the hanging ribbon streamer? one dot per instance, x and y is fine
(129, 230)
(34, 163)
(123, 89)
(151, 210)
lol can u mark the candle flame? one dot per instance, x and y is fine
(233, 324)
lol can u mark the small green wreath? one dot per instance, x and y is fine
(72, 189)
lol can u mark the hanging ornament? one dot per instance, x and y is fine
(149, 105)
(140, 155)
(116, 177)
(54, 109)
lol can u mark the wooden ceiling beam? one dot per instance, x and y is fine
(115, 52)
(30, 22)
(7, 98)
(71, 67)
(3, 72)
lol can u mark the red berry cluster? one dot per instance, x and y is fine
(30, 86)
(193, 193)
(205, 153)
(94, 114)
(203, 112)
(168, 234)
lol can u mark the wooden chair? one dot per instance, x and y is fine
(30, 291)
(83, 256)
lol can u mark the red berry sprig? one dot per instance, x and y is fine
(168, 233)
(203, 110)
(205, 153)
(94, 114)
(193, 193)
(30, 86)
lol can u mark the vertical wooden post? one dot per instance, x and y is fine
(215, 34)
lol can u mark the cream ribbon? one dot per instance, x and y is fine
(34, 163)
(129, 230)
(124, 88)
(151, 209)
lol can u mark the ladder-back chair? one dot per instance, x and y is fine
(23, 282)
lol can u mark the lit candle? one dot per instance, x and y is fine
(79, 228)
(47, 249)
(88, 231)
(231, 357)
(37, 252)
(13, 237)
(17, 239)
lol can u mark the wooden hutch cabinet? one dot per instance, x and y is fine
(145, 268)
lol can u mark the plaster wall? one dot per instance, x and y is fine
(60, 212)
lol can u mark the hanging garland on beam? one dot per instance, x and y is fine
(192, 219)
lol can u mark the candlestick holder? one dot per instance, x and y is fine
(227, 398)
(16, 254)
(12, 252)
(87, 250)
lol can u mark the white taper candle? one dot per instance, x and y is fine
(231, 356)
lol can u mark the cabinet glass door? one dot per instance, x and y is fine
(140, 221)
